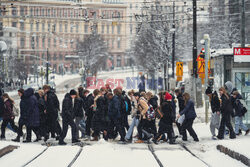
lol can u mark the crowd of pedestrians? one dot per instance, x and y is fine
(104, 114)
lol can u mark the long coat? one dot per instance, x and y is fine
(189, 110)
(8, 110)
(98, 119)
(23, 110)
(226, 105)
(33, 119)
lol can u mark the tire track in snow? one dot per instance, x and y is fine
(151, 149)
(35, 157)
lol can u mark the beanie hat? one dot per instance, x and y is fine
(168, 96)
(208, 91)
(72, 92)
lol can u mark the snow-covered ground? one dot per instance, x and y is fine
(112, 154)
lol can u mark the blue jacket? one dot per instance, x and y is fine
(114, 108)
(189, 110)
(33, 115)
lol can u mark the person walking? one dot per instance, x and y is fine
(215, 115)
(7, 115)
(226, 109)
(181, 105)
(190, 116)
(68, 117)
(23, 115)
(166, 122)
(238, 107)
(33, 119)
(89, 114)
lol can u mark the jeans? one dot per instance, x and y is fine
(135, 122)
(239, 124)
(80, 125)
(8, 126)
(4, 125)
(214, 123)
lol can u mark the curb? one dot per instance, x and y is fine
(242, 158)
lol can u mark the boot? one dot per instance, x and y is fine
(75, 141)
(61, 142)
(95, 138)
(26, 141)
(17, 139)
(247, 132)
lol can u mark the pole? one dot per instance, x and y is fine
(47, 67)
(243, 24)
(194, 49)
(173, 41)
(207, 56)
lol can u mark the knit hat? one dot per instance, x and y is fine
(72, 92)
(208, 91)
(168, 96)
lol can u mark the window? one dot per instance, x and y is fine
(107, 29)
(48, 27)
(43, 56)
(66, 27)
(118, 61)
(31, 11)
(22, 11)
(86, 27)
(118, 29)
(131, 29)
(22, 26)
(61, 57)
(118, 44)
(131, 6)
(77, 28)
(71, 43)
(60, 27)
(14, 11)
(31, 27)
(60, 42)
(48, 12)
(49, 42)
(32, 42)
(37, 12)
(54, 12)
(43, 42)
(43, 27)
(71, 27)
(54, 42)
(22, 42)
(37, 26)
(55, 57)
(103, 29)
(113, 29)
(42, 12)
(13, 24)
(113, 43)
(37, 41)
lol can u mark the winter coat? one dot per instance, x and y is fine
(8, 110)
(33, 119)
(78, 107)
(99, 115)
(189, 110)
(153, 102)
(67, 107)
(168, 113)
(1, 106)
(226, 107)
(143, 107)
(23, 110)
(90, 102)
(52, 103)
(215, 102)
(237, 106)
(114, 108)
(181, 102)
(133, 106)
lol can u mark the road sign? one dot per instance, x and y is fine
(241, 54)
(179, 69)
(201, 66)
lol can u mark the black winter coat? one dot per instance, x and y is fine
(1, 106)
(189, 110)
(153, 102)
(8, 110)
(215, 102)
(33, 119)
(168, 113)
(226, 106)
(52, 103)
(114, 108)
(99, 115)
(67, 107)
(237, 106)
(23, 110)
(78, 107)
(181, 102)
(90, 102)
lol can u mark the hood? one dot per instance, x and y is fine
(28, 92)
(67, 95)
(229, 87)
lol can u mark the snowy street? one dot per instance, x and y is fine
(109, 154)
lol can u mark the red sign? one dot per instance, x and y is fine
(241, 54)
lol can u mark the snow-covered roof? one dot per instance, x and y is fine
(219, 52)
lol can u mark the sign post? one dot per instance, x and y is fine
(179, 70)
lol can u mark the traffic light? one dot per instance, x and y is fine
(202, 53)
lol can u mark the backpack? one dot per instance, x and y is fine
(150, 114)
(128, 105)
(243, 107)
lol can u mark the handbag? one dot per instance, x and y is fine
(181, 119)
(15, 111)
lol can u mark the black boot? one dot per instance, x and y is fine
(61, 142)
(27, 141)
(17, 139)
